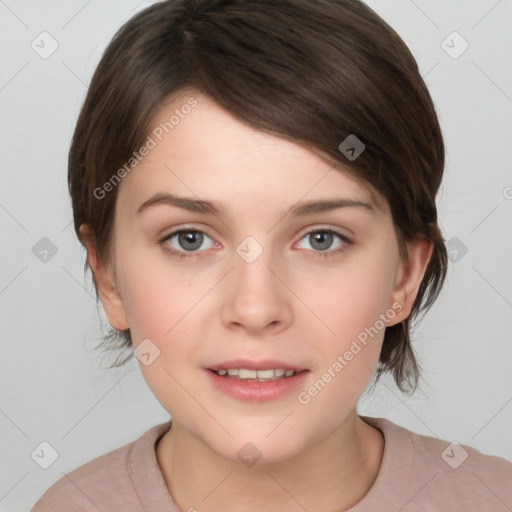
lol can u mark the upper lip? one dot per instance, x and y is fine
(264, 364)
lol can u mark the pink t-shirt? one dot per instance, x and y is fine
(418, 473)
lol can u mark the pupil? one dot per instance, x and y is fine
(323, 238)
(191, 237)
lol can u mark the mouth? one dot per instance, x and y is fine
(256, 381)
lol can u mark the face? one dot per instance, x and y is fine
(237, 278)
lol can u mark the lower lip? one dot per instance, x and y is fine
(257, 391)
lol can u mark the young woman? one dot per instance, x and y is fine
(255, 184)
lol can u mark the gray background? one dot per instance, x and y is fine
(55, 388)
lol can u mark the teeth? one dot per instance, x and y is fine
(256, 375)
(265, 374)
(247, 374)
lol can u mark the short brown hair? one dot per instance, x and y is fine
(310, 71)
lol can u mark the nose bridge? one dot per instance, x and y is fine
(256, 297)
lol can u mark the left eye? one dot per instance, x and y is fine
(322, 240)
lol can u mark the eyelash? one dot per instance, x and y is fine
(318, 254)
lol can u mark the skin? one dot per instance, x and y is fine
(288, 304)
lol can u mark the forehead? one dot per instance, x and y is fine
(199, 149)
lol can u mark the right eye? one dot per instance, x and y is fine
(184, 241)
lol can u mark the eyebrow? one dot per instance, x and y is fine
(220, 209)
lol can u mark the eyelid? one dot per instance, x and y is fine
(167, 232)
(311, 229)
(333, 229)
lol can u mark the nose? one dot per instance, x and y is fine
(255, 296)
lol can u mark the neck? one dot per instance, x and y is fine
(332, 475)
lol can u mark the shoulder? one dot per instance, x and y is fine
(86, 488)
(104, 483)
(443, 473)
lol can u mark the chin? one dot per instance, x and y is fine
(258, 443)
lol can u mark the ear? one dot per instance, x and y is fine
(109, 295)
(409, 277)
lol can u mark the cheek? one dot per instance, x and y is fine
(352, 298)
(164, 306)
(348, 346)
(353, 307)
(158, 295)
(168, 306)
